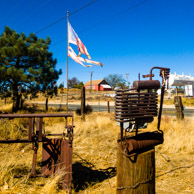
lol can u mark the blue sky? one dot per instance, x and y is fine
(155, 33)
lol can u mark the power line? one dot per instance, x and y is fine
(106, 19)
(48, 26)
(117, 14)
(82, 7)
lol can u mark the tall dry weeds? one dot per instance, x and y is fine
(178, 135)
(94, 156)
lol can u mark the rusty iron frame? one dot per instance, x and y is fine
(36, 134)
(164, 73)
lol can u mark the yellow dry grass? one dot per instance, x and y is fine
(94, 157)
(6, 108)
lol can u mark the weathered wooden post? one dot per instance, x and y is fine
(99, 105)
(108, 107)
(136, 174)
(83, 103)
(179, 107)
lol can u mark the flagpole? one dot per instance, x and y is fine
(67, 55)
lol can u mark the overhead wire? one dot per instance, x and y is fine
(115, 15)
(106, 19)
(48, 26)
(33, 5)
(82, 7)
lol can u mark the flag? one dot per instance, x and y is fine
(93, 62)
(77, 59)
(74, 39)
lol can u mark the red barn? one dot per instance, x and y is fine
(98, 85)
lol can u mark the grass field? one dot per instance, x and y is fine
(94, 157)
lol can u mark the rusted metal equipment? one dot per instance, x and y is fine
(141, 142)
(130, 106)
(135, 108)
(57, 152)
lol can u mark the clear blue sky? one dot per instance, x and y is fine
(155, 33)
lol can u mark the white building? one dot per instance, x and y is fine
(189, 90)
(183, 80)
(180, 80)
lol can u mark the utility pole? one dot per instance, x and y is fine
(127, 80)
(91, 81)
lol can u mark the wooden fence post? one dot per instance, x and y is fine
(108, 107)
(179, 107)
(137, 173)
(83, 103)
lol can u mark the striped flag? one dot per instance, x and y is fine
(74, 39)
(77, 59)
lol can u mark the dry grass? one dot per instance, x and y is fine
(185, 101)
(100, 143)
(94, 157)
(179, 148)
(6, 108)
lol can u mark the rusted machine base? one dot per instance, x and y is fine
(142, 142)
(57, 155)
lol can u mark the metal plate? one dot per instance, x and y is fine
(57, 155)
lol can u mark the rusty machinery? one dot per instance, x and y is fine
(56, 152)
(135, 108)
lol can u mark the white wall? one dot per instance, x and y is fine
(189, 90)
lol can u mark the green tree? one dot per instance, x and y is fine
(47, 83)
(115, 80)
(73, 82)
(4, 91)
(23, 60)
(61, 85)
(80, 85)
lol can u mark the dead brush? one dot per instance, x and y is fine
(98, 136)
(94, 148)
(12, 129)
(6, 108)
(177, 134)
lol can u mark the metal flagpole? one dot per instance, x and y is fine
(67, 55)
